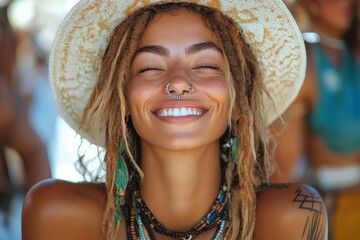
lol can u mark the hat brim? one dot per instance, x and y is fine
(83, 36)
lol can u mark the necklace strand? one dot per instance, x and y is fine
(145, 236)
(210, 220)
(141, 223)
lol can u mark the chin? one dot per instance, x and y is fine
(186, 144)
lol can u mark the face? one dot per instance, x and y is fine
(179, 49)
(335, 14)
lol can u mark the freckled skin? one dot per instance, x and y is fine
(146, 90)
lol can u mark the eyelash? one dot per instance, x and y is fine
(144, 69)
(215, 67)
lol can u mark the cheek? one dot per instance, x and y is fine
(138, 88)
(139, 93)
(220, 91)
(136, 100)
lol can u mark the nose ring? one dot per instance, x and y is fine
(174, 96)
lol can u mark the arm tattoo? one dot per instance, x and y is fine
(310, 200)
(314, 228)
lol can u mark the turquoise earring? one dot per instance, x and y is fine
(234, 148)
(121, 182)
(233, 144)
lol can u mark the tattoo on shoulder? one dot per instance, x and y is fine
(309, 199)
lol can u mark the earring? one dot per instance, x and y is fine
(234, 148)
(121, 181)
(233, 144)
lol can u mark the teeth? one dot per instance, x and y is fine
(177, 112)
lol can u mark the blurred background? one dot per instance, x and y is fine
(318, 137)
(35, 143)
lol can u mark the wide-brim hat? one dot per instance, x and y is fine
(83, 36)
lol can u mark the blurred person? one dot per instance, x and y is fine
(36, 90)
(323, 125)
(15, 130)
(34, 37)
(20, 171)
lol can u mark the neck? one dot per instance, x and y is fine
(180, 187)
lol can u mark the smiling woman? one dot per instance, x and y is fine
(180, 99)
(181, 58)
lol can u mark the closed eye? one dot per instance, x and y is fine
(210, 66)
(145, 69)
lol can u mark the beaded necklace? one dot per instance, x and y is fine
(141, 223)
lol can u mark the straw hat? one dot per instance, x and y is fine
(83, 36)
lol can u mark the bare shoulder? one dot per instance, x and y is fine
(290, 211)
(55, 209)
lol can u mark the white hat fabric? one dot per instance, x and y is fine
(83, 36)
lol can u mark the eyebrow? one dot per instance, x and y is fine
(160, 50)
(202, 46)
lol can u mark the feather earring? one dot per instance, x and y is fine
(233, 144)
(121, 182)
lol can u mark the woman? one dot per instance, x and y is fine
(178, 106)
(324, 121)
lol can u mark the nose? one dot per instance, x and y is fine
(178, 86)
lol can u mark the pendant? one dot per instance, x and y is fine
(188, 238)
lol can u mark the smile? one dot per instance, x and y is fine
(179, 112)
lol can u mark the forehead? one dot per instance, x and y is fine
(176, 26)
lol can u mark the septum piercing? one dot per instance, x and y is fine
(174, 96)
